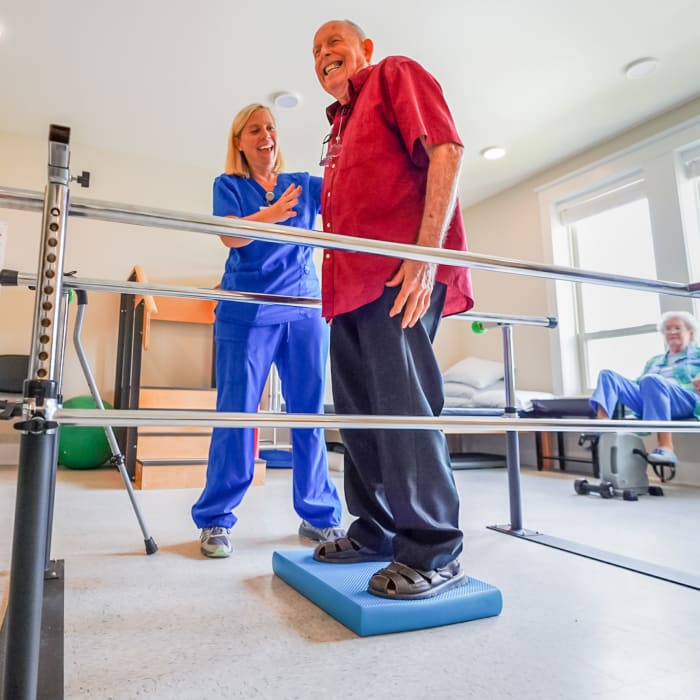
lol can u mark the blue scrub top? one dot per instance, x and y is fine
(268, 268)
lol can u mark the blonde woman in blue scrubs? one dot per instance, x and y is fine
(250, 338)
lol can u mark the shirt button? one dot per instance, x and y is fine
(328, 225)
(328, 195)
(328, 256)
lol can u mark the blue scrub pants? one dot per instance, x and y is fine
(398, 483)
(244, 356)
(653, 398)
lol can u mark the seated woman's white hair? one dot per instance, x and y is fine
(688, 319)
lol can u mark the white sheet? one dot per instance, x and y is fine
(493, 396)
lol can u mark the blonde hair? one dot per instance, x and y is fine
(236, 163)
(688, 319)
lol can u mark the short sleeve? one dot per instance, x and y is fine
(419, 107)
(227, 201)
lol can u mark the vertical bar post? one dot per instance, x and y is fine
(38, 442)
(24, 610)
(512, 443)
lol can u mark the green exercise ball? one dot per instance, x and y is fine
(82, 446)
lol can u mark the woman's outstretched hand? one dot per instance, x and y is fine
(283, 208)
(276, 213)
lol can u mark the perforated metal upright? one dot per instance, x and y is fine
(31, 565)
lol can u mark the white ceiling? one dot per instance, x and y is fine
(164, 77)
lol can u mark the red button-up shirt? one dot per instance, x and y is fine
(375, 186)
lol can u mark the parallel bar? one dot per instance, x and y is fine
(138, 288)
(169, 290)
(173, 417)
(277, 233)
(502, 319)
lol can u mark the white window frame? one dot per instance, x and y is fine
(689, 195)
(663, 166)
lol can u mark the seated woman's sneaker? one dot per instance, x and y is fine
(662, 455)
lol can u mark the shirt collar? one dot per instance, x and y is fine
(689, 350)
(356, 83)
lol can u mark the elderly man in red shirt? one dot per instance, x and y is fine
(392, 163)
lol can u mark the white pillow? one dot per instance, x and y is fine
(475, 372)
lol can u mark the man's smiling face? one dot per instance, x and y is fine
(339, 53)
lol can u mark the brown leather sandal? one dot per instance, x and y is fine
(345, 550)
(402, 582)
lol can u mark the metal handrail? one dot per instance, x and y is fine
(27, 279)
(277, 233)
(503, 319)
(262, 419)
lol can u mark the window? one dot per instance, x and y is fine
(616, 326)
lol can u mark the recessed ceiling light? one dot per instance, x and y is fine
(286, 100)
(640, 68)
(493, 152)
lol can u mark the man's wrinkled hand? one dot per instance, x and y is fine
(417, 280)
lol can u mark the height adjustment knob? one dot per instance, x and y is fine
(83, 179)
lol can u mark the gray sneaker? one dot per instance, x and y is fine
(320, 534)
(214, 542)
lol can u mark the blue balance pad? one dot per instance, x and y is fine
(341, 590)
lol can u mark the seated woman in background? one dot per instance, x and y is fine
(668, 388)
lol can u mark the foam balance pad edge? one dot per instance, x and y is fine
(341, 591)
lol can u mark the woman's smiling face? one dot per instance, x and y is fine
(258, 139)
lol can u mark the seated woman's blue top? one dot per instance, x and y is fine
(681, 368)
(263, 267)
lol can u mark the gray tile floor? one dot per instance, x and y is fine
(174, 625)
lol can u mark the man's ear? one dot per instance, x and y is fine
(368, 49)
